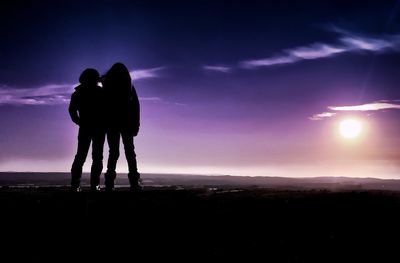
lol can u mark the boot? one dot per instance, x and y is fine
(76, 188)
(95, 188)
(135, 182)
(94, 183)
(76, 173)
(109, 181)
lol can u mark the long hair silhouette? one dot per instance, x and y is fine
(118, 82)
(123, 121)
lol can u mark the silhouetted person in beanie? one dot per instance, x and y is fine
(86, 111)
(123, 121)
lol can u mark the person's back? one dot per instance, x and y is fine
(122, 104)
(88, 101)
(86, 110)
(123, 121)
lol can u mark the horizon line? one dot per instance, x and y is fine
(215, 175)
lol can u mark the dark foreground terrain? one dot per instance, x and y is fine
(188, 224)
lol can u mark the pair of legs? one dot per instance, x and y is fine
(85, 137)
(113, 139)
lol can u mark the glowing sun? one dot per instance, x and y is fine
(350, 128)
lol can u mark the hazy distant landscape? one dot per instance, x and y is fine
(14, 179)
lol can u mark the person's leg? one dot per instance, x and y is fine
(133, 175)
(84, 139)
(97, 157)
(113, 137)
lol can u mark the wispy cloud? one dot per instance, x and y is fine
(145, 73)
(52, 94)
(268, 61)
(367, 107)
(223, 69)
(374, 106)
(347, 42)
(159, 100)
(316, 51)
(320, 116)
(156, 99)
(370, 44)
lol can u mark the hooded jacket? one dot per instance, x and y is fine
(87, 106)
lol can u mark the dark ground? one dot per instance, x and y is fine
(211, 224)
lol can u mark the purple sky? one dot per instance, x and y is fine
(242, 87)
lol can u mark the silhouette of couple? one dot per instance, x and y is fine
(111, 112)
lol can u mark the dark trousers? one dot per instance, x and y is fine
(113, 139)
(85, 137)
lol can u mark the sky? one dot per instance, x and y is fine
(225, 87)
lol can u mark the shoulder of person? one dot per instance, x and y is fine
(74, 94)
(78, 89)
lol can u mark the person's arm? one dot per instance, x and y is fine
(135, 111)
(73, 109)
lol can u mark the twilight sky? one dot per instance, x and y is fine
(226, 87)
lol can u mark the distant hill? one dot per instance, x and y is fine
(31, 179)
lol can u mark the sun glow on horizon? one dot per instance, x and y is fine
(350, 128)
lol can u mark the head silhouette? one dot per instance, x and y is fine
(89, 76)
(118, 81)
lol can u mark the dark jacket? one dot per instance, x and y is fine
(123, 111)
(87, 106)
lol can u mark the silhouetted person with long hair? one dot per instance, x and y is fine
(123, 121)
(85, 110)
